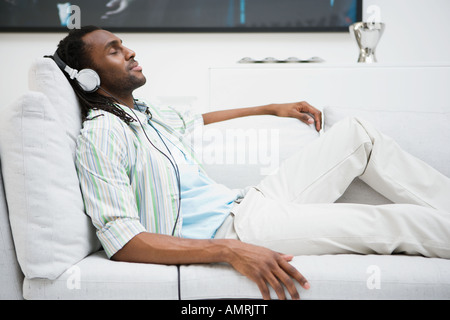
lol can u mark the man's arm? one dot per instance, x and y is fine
(300, 110)
(259, 264)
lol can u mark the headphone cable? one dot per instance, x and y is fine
(172, 161)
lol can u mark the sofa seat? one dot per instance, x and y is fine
(96, 277)
(332, 277)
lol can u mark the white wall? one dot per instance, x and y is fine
(177, 64)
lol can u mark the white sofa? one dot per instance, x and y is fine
(48, 245)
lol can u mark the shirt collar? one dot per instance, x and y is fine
(140, 110)
(141, 106)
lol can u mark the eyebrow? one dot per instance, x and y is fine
(113, 43)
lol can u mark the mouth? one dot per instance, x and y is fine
(135, 66)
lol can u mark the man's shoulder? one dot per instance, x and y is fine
(102, 123)
(102, 120)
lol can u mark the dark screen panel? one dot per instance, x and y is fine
(184, 15)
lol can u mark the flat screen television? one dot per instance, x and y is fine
(181, 15)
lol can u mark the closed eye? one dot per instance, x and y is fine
(113, 47)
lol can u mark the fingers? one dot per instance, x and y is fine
(274, 279)
(316, 114)
(287, 257)
(296, 275)
(305, 117)
(264, 289)
(267, 269)
(280, 277)
(276, 285)
(287, 277)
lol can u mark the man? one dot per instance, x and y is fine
(151, 202)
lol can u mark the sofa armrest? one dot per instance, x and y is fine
(11, 277)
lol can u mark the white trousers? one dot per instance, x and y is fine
(293, 211)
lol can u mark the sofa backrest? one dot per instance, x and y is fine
(37, 144)
(424, 134)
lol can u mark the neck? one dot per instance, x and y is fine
(125, 99)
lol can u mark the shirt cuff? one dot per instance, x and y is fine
(115, 235)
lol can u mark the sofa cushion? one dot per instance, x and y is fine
(97, 278)
(334, 277)
(10, 275)
(426, 135)
(46, 77)
(51, 231)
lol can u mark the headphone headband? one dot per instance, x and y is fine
(61, 64)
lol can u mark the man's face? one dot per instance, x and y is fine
(120, 74)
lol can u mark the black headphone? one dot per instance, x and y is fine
(88, 79)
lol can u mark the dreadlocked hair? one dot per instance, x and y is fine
(74, 52)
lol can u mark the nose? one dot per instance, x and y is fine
(129, 54)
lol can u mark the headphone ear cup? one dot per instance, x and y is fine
(88, 80)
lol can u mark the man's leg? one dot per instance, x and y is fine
(322, 171)
(315, 229)
(401, 177)
(292, 211)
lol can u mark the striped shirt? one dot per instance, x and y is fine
(128, 186)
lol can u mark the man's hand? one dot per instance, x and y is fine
(300, 110)
(266, 267)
